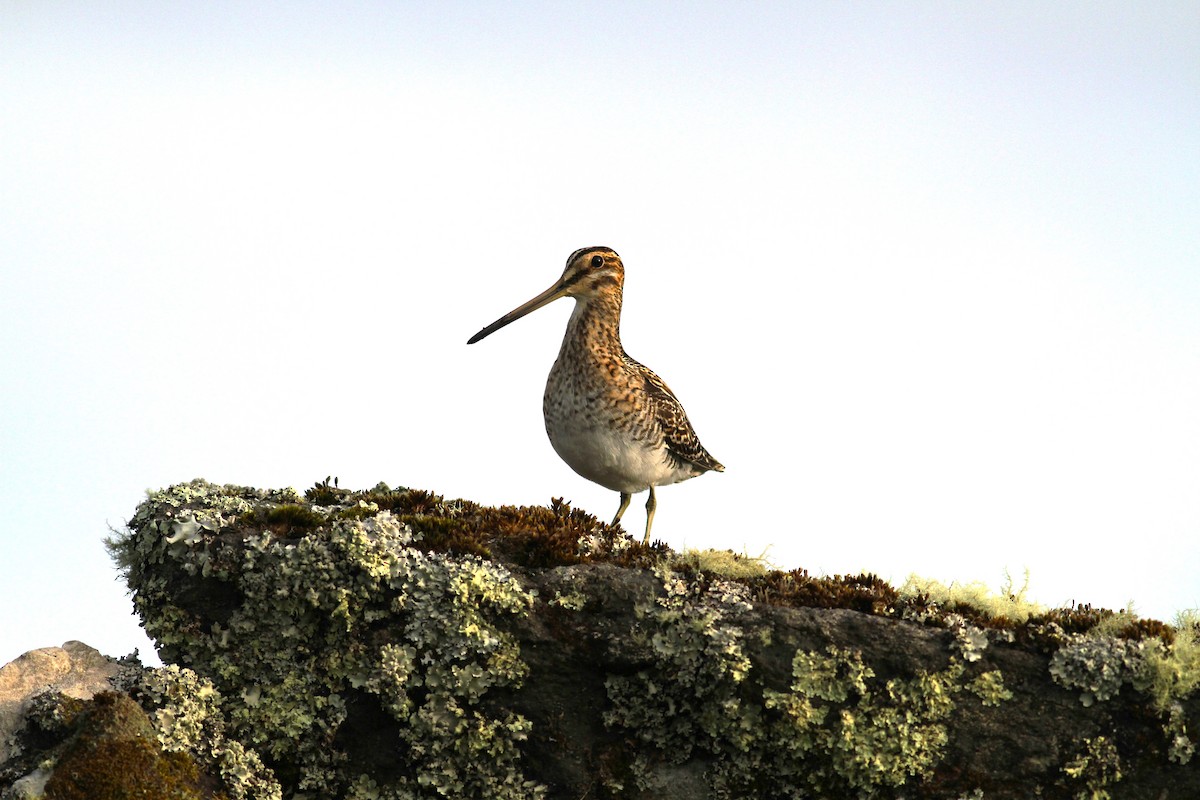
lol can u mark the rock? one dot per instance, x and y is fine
(74, 670)
(392, 644)
(73, 737)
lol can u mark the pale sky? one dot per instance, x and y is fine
(926, 276)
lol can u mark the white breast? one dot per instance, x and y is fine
(604, 455)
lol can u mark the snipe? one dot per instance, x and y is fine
(609, 417)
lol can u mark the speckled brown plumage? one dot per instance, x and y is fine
(611, 418)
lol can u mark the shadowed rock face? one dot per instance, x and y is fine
(393, 644)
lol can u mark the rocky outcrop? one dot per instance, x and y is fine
(36, 690)
(391, 644)
(66, 734)
(73, 670)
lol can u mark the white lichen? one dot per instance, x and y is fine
(969, 641)
(1099, 667)
(1180, 747)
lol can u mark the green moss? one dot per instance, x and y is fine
(969, 607)
(325, 493)
(123, 769)
(115, 756)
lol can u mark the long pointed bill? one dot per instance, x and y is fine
(550, 295)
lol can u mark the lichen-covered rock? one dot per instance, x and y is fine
(390, 644)
(353, 662)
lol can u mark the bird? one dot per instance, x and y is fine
(609, 417)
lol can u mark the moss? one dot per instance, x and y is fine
(324, 493)
(1010, 605)
(53, 713)
(1084, 619)
(719, 563)
(123, 769)
(530, 536)
(116, 756)
(559, 535)
(286, 520)
(975, 606)
(867, 593)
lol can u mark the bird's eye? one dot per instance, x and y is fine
(597, 262)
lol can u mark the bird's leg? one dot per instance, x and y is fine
(651, 504)
(625, 497)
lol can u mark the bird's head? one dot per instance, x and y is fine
(590, 272)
